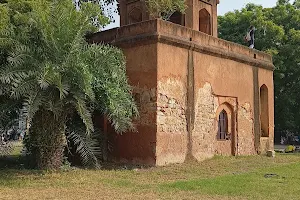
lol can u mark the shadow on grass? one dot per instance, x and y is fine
(112, 166)
(13, 169)
(12, 162)
(20, 162)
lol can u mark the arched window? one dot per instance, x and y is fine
(177, 18)
(204, 21)
(264, 111)
(135, 16)
(222, 126)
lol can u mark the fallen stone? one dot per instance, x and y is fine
(271, 153)
(271, 176)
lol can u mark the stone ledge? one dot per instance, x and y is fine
(154, 31)
(217, 52)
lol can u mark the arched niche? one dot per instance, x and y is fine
(204, 21)
(264, 111)
(225, 121)
(135, 16)
(177, 18)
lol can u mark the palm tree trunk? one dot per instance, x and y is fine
(47, 140)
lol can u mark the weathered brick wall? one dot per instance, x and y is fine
(171, 103)
(171, 122)
(245, 130)
(181, 78)
(223, 148)
(205, 143)
(204, 132)
(145, 99)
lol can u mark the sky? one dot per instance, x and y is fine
(224, 7)
(230, 5)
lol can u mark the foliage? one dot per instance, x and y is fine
(107, 6)
(278, 33)
(83, 149)
(86, 147)
(165, 8)
(47, 64)
(5, 148)
(157, 8)
(9, 114)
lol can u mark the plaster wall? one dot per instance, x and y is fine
(140, 146)
(171, 104)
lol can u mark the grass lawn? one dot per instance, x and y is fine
(217, 178)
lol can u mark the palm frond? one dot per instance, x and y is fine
(10, 75)
(20, 89)
(84, 113)
(87, 147)
(32, 102)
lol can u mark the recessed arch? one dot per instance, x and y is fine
(177, 18)
(135, 16)
(225, 121)
(204, 21)
(225, 129)
(264, 111)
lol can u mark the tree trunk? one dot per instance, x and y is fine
(47, 140)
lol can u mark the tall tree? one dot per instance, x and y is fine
(278, 33)
(48, 65)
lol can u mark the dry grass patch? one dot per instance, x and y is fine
(217, 178)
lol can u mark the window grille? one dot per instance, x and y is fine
(222, 126)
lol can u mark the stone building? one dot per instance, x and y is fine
(198, 95)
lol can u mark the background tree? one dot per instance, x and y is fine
(47, 64)
(9, 115)
(278, 33)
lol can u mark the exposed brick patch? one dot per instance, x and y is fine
(171, 122)
(204, 133)
(171, 100)
(146, 102)
(245, 131)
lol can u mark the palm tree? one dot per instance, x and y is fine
(56, 73)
